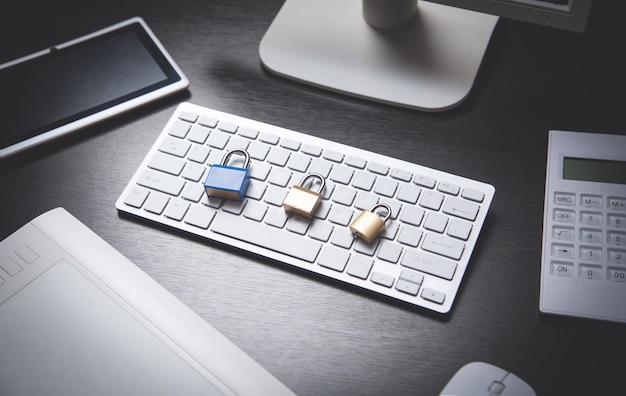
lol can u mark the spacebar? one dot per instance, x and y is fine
(293, 245)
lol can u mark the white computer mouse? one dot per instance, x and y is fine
(484, 379)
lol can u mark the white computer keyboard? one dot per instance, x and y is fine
(420, 257)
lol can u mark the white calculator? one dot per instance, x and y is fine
(583, 264)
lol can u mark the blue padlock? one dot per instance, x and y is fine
(228, 182)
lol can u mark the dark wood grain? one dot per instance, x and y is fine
(317, 336)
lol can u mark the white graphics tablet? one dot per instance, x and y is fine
(78, 318)
(81, 82)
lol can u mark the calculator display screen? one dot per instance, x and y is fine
(594, 170)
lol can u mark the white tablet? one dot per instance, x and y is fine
(81, 82)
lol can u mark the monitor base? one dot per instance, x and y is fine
(429, 64)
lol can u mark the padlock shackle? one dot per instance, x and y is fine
(313, 176)
(237, 151)
(386, 207)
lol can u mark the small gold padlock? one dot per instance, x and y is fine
(368, 225)
(303, 201)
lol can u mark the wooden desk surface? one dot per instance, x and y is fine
(315, 335)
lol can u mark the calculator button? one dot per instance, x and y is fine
(617, 204)
(563, 233)
(564, 216)
(617, 275)
(591, 201)
(617, 238)
(591, 218)
(564, 199)
(591, 236)
(563, 251)
(617, 256)
(590, 253)
(562, 269)
(591, 272)
(617, 221)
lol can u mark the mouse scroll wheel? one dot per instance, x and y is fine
(496, 388)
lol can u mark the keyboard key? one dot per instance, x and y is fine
(433, 295)
(198, 154)
(334, 258)
(290, 144)
(431, 200)
(386, 187)
(193, 171)
(156, 203)
(360, 266)
(443, 245)
(208, 121)
(356, 162)
(254, 211)
(412, 276)
(320, 230)
(424, 181)
(460, 229)
(344, 195)
(249, 133)
(412, 215)
(410, 236)
(341, 174)
(271, 238)
(180, 129)
(364, 181)
(342, 238)
(389, 252)
(429, 264)
(188, 116)
(401, 174)
(227, 127)
(311, 150)
(382, 279)
(449, 188)
(333, 156)
(407, 287)
(218, 139)
(176, 209)
(161, 182)
(175, 146)
(200, 216)
(167, 163)
(409, 193)
(436, 222)
(473, 195)
(136, 197)
(461, 208)
(279, 157)
(378, 168)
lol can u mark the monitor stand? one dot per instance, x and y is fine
(428, 64)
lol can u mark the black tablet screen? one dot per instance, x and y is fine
(73, 82)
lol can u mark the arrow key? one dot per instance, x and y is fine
(563, 251)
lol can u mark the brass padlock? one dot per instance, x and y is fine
(368, 225)
(302, 201)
